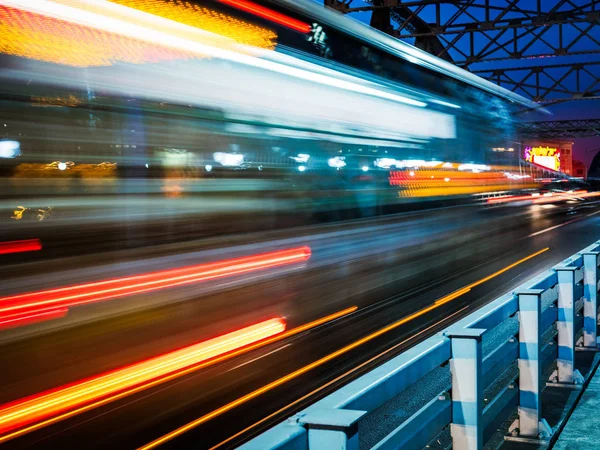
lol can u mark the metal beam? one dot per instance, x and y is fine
(386, 11)
(561, 129)
(471, 32)
(550, 83)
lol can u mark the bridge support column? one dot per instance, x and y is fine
(332, 429)
(590, 300)
(467, 389)
(567, 375)
(530, 427)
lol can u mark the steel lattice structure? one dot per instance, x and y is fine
(482, 35)
(550, 83)
(561, 129)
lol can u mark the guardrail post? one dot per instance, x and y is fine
(467, 388)
(332, 429)
(567, 375)
(530, 426)
(590, 300)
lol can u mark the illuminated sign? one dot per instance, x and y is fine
(544, 156)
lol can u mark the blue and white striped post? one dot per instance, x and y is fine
(467, 388)
(530, 364)
(567, 376)
(590, 299)
(330, 429)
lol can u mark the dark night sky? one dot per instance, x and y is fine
(584, 148)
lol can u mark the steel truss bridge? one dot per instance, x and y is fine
(548, 51)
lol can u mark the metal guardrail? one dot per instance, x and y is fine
(552, 316)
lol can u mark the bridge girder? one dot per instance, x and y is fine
(552, 83)
(481, 35)
(561, 129)
(384, 11)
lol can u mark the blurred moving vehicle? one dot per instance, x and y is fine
(224, 116)
(39, 214)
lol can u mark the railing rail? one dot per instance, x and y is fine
(493, 363)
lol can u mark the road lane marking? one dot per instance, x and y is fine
(593, 214)
(258, 357)
(561, 225)
(552, 228)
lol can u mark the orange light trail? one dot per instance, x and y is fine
(165, 378)
(27, 245)
(30, 35)
(506, 269)
(50, 33)
(258, 392)
(40, 301)
(206, 19)
(41, 406)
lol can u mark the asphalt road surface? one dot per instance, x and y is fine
(389, 268)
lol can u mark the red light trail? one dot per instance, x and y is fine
(17, 320)
(268, 14)
(28, 245)
(40, 302)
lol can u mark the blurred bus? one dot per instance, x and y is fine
(223, 116)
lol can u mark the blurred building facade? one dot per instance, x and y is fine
(579, 169)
